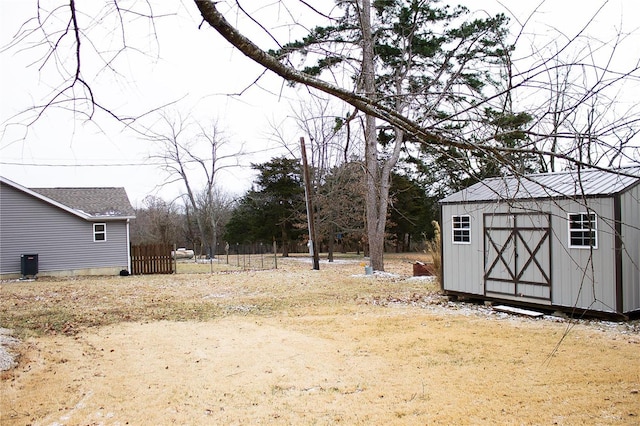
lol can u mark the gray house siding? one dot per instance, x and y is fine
(63, 241)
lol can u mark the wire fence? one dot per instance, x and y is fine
(233, 257)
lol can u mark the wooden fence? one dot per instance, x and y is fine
(152, 259)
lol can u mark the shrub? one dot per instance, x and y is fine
(433, 248)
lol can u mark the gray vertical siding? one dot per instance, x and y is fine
(62, 241)
(630, 207)
(579, 277)
(463, 264)
(584, 278)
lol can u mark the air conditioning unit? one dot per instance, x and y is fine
(29, 265)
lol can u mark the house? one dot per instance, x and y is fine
(69, 231)
(560, 241)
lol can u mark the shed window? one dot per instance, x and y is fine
(583, 230)
(99, 232)
(461, 229)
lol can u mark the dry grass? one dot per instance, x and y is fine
(296, 346)
(68, 306)
(434, 249)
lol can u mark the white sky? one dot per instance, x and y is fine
(199, 66)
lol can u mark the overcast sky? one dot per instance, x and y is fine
(198, 67)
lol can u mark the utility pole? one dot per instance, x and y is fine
(307, 192)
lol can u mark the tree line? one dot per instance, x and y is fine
(274, 210)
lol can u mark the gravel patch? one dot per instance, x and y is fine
(7, 359)
(441, 304)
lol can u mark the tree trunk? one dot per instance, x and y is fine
(331, 244)
(194, 206)
(375, 222)
(214, 243)
(285, 241)
(372, 168)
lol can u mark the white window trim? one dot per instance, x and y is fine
(99, 232)
(453, 229)
(595, 229)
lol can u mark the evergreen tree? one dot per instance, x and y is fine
(274, 209)
(421, 60)
(411, 213)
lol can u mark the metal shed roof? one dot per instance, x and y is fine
(592, 182)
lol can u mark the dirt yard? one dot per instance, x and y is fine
(296, 346)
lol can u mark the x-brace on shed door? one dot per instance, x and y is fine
(517, 255)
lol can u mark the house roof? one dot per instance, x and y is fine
(569, 184)
(87, 203)
(95, 202)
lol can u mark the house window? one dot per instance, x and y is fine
(461, 229)
(99, 232)
(583, 230)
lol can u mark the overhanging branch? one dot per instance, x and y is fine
(218, 22)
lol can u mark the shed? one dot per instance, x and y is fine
(561, 241)
(73, 231)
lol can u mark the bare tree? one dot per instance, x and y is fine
(159, 222)
(194, 160)
(64, 37)
(214, 210)
(333, 143)
(341, 207)
(582, 110)
(332, 140)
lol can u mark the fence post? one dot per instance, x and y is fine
(275, 254)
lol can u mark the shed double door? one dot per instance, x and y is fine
(517, 255)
